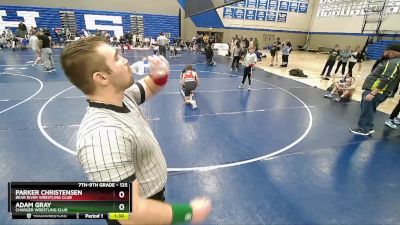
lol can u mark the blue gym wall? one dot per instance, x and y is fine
(50, 18)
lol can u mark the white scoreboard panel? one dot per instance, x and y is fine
(342, 8)
(265, 10)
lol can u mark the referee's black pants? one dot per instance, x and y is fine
(163, 50)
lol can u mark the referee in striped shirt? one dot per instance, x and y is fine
(115, 142)
(162, 42)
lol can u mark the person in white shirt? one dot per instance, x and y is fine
(233, 44)
(286, 49)
(146, 41)
(154, 46)
(34, 43)
(248, 63)
(251, 43)
(134, 40)
(236, 50)
(141, 39)
(279, 46)
(9, 38)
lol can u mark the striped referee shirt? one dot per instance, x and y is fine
(116, 143)
(162, 40)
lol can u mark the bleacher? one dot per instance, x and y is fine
(375, 50)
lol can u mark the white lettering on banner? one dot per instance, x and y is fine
(29, 19)
(90, 22)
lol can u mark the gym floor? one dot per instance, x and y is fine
(278, 154)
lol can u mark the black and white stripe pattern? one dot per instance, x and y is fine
(115, 144)
(162, 40)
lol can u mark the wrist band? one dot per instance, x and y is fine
(181, 213)
(161, 81)
(371, 94)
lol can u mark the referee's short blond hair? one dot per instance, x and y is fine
(80, 60)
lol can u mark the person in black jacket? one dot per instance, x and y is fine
(377, 62)
(377, 87)
(360, 58)
(383, 57)
(209, 55)
(22, 28)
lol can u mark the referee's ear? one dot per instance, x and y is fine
(100, 78)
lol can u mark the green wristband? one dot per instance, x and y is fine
(181, 213)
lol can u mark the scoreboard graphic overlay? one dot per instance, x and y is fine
(69, 200)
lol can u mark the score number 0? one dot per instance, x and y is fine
(121, 194)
